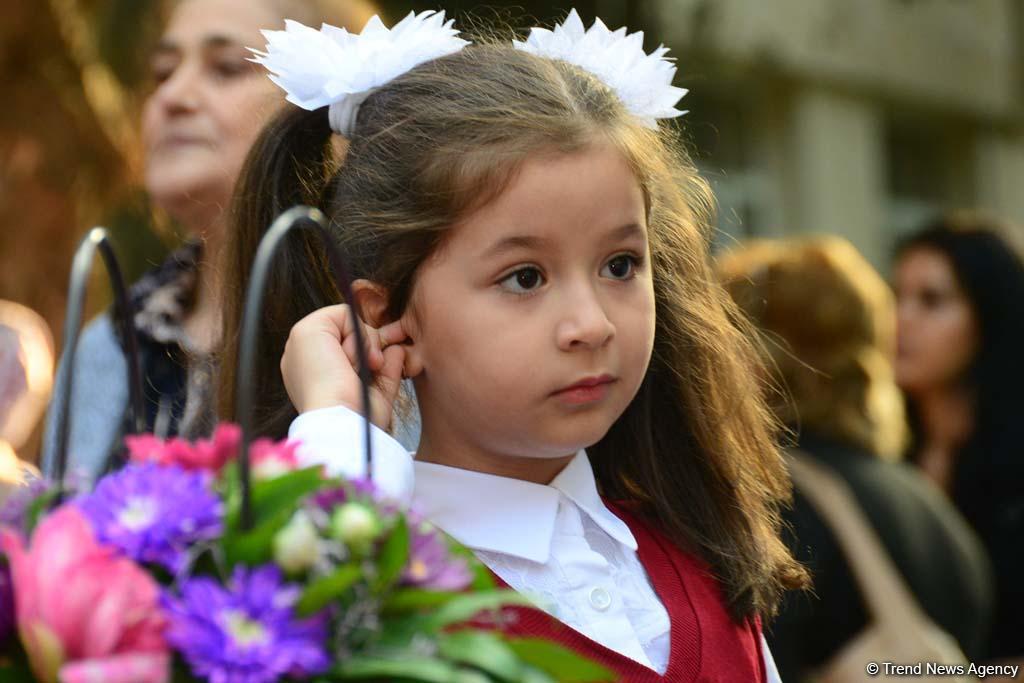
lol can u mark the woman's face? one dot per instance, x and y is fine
(208, 105)
(938, 332)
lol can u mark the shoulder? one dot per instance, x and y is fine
(919, 526)
(895, 494)
(99, 349)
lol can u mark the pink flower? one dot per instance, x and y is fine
(271, 459)
(83, 611)
(205, 454)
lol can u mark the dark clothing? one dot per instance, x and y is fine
(942, 561)
(177, 381)
(988, 489)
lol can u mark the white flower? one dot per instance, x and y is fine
(337, 68)
(642, 81)
(297, 545)
(357, 525)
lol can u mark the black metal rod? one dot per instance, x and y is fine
(295, 217)
(97, 239)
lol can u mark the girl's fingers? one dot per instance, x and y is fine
(336, 320)
(372, 343)
(389, 379)
(392, 333)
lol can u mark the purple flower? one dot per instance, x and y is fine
(15, 507)
(153, 513)
(6, 603)
(431, 564)
(353, 489)
(246, 633)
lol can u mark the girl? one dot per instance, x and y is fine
(534, 256)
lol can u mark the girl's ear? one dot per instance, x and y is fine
(372, 300)
(373, 303)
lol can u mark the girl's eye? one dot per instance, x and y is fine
(523, 281)
(623, 266)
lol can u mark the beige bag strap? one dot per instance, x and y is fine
(887, 597)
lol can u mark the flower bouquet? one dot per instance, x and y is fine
(226, 561)
(150, 577)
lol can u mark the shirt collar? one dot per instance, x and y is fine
(465, 505)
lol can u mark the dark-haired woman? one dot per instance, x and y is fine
(960, 286)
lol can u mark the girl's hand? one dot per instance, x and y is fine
(319, 365)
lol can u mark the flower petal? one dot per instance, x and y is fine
(129, 668)
(642, 81)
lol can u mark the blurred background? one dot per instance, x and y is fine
(857, 119)
(852, 118)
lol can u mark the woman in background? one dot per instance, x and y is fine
(827, 322)
(959, 286)
(207, 106)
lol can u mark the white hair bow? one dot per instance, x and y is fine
(642, 81)
(340, 69)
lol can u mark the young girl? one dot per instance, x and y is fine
(533, 254)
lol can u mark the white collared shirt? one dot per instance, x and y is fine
(557, 544)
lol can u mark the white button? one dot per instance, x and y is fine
(600, 599)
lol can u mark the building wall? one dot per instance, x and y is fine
(861, 117)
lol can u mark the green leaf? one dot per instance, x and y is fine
(532, 674)
(467, 605)
(483, 578)
(37, 509)
(560, 663)
(256, 546)
(327, 589)
(406, 600)
(270, 496)
(398, 633)
(486, 651)
(16, 670)
(229, 483)
(426, 669)
(393, 556)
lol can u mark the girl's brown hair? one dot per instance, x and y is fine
(695, 451)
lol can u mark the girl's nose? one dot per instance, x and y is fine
(585, 322)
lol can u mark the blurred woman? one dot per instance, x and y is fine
(208, 104)
(959, 287)
(26, 378)
(827, 320)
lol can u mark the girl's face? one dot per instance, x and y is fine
(548, 285)
(209, 103)
(938, 333)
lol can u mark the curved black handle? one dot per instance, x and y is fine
(295, 217)
(97, 239)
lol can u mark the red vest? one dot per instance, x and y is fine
(707, 645)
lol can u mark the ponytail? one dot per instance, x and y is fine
(290, 163)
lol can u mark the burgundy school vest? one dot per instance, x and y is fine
(707, 646)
